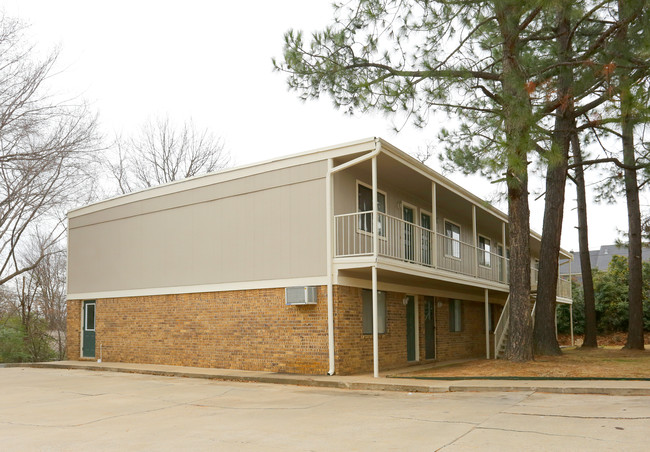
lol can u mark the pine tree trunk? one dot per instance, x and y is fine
(583, 239)
(544, 333)
(635, 293)
(517, 121)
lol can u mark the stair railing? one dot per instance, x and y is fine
(501, 328)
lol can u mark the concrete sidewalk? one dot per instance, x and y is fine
(364, 382)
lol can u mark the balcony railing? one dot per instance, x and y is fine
(563, 284)
(408, 242)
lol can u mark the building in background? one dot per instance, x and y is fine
(600, 260)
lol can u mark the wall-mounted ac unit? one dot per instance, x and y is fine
(295, 296)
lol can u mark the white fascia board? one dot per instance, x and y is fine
(242, 285)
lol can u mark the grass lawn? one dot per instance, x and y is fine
(603, 362)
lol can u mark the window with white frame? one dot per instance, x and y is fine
(455, 316)
(364, 204)
(366, 296)
(485, 248)
(452, 239)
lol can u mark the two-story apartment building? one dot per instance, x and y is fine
(346, 259)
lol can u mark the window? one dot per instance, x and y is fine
(366, 296)
(493, 314)
(455, 316)
(452, 240)
(364, 204)
(90, 317)
(485, 248)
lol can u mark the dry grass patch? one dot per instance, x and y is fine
(603, 362)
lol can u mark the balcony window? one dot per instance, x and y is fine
(364, 204)
(452, 240)
(484, 250)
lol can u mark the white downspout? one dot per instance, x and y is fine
(330, 288)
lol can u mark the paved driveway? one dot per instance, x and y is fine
(51, 409)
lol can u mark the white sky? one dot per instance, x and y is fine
(211, 61)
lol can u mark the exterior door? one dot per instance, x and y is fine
(410, 328)
(89, 330)
(429, 329)
(408, 215)
(425, 222)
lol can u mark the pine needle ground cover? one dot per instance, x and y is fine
(603, 362)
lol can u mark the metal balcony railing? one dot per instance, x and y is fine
(408, 242)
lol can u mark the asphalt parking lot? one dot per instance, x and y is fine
(56, 409)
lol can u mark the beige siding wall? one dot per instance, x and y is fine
(263, 227)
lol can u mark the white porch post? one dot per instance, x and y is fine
(504, 259)
(434, 225)
(475, 240)
(375, 252)
(417, 327)
(329, 203)
(556, 305)
(487, 326)
(571, 323)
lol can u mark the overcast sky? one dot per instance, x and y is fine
(211, 61)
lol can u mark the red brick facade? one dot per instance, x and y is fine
(255, 330)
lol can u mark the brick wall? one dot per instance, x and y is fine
(467, 343)
(353, 349)
(248, 329)
(255, 330)
(74, 324)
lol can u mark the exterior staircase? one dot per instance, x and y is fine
(501, 333)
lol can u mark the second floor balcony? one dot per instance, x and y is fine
(408, 242)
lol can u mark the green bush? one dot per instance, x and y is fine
(12, 341)
(18, 345)
(610, 293)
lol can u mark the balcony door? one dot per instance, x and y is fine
(408, 215)
(425, 222)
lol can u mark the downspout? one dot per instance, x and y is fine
(375, 254)
(330, 287)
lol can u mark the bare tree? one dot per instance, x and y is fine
(50, 278)
(45, 153)
(162, 152)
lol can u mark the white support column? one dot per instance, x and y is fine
(329, 206)
(375, 216)
(505, 253)
(556, 305)
(487, 326)
(375, 324)
(475, 240)
(434, 225)
(417, 327)
(571, 322)
(375, 253)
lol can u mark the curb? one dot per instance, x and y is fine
(328, 382)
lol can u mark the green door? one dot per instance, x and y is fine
(429, 329)
(89, 330)
(410, 328)
(409, 233)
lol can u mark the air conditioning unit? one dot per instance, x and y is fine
(300, 295)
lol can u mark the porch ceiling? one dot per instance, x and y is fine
(427, 285)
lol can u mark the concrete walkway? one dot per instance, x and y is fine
(364, 382)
